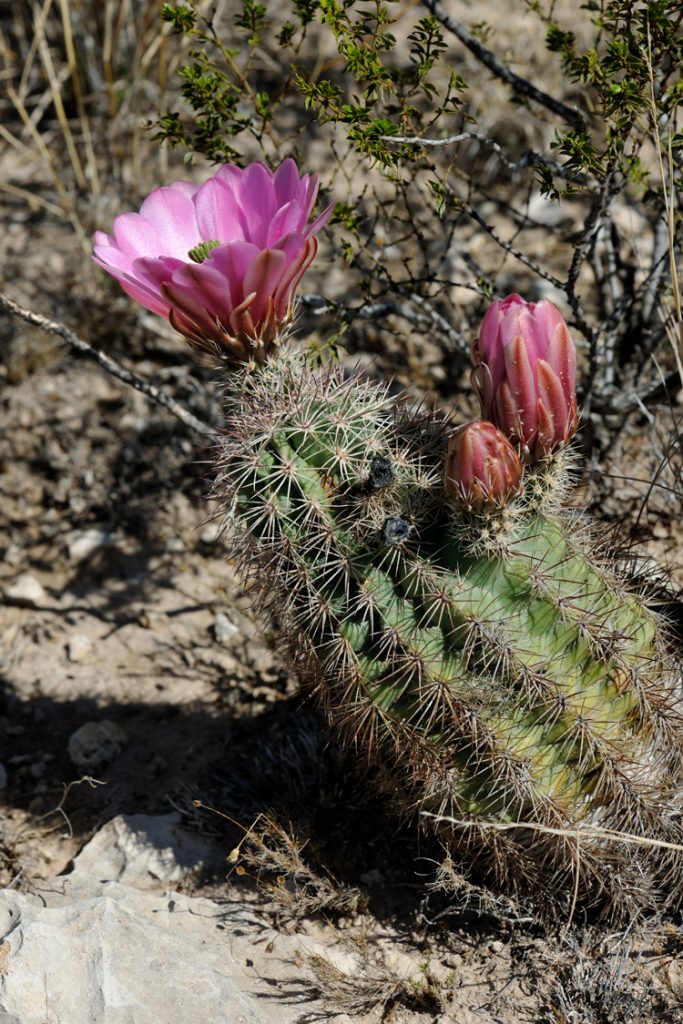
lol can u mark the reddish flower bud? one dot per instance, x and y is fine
(482, 468)
(525, 373)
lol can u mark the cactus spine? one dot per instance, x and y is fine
(490, 663)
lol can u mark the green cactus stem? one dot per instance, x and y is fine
(492, 665)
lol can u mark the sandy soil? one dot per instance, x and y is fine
(122, 616)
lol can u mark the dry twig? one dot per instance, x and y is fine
(107, 363)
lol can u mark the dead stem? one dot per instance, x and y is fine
(107, 363)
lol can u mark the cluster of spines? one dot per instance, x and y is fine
(507, 679)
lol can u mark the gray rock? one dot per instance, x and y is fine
(78, 648)
(96, 949)
(83, 543)
(124, 957)
(26, 590)
(223, 629)
(96, 743)
(141, 850)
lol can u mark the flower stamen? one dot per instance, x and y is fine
(202, 250)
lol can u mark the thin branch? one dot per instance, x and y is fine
(623, 400)
(509, 248)
(592, 226)
(530, 158)
(318, 305)
(107, 363)
(612, 279)
(425, 315)
(457, 340)
(520, 85)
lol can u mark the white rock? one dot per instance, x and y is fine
(26, 590)
(140, 850)
(95, 949)
(210, 533)
(3, 776)
(546, 211)
(8, 918)
(14, 554)
(223, 629)
(83, 542)
(79, 647)
(124, 958)
(175, 546)
(96, 743)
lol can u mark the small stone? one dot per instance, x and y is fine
(175, 546)
(211, 532)
(545, 211)
(96, 743)
(14, 554)
(223, 629)
(78, 504)
(79, 647)
(140, 850)
(26, 590)
(3, 776)
(84, 542)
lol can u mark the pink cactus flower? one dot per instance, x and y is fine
(525, 374)
(222, 260)
(482, 469)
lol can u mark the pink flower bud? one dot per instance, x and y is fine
(525, 373)
(221, 261)
(482, 468)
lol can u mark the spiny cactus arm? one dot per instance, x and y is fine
(506, 679)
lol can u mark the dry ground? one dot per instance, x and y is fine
(140, 622)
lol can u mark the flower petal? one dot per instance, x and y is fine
(320, 221)
(232, 261)
(288, 219)
(521, 378)
(263, 277)
(287, 184)
(172, 214)
(135, 236)
(561, 356)
(219, 214)
(289, 281)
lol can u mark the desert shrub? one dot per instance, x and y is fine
(457, 178)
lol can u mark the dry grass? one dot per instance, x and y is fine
(79, 81)
(273, 856)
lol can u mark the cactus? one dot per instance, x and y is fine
(488, 661)
(460, 627)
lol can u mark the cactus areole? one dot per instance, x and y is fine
(458, 623)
